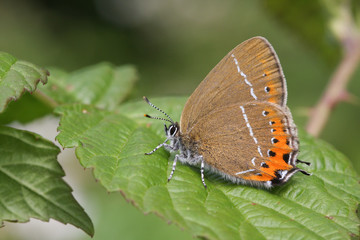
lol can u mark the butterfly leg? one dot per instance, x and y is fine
(173, 167)
(299, 161)
(169, 147)
(159, 146)
(202, 172)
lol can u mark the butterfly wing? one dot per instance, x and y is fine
(237, 118)
(251, 71)
(254, 142)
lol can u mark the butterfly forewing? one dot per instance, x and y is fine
(251, 71)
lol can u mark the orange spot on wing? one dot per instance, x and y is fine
(268, 174)
(271, 169)
(275, 166)
(270, 112)
(279, 152)
(272, 100)
(274, 89)
(262, 178)
(279, 131)
(278, 164)
(282, 142)
(277, 122)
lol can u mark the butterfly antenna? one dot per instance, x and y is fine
(147, 100)
(159, 118)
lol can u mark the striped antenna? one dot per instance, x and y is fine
(159, 118)
(147, 100)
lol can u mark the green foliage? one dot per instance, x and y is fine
(31, 184)
(16, 77)
(25, 109)
(111, 139)
(323, 23)
(113, 143)
(102, 85)
(299, 16)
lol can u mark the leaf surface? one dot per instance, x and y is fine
(31, 184)
(16, 77)
(102, 85)
(322, 206)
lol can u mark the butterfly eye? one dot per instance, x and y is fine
(172, 130)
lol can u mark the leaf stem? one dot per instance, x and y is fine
(46, 99)
(336, 89)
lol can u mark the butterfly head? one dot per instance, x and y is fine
(172, 131)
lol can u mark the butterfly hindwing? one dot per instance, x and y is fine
(253, 142)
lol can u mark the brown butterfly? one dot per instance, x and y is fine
(236, 123)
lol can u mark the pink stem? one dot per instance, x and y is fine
(336, 89)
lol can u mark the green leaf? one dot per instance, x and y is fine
(31, 184)
(16, 77)
(102, 85)
(24, 110)
(309, 20)
(322, 206)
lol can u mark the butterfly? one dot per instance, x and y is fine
(236, 122)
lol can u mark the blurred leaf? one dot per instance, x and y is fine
(31, 184)
(26, 109)
(102, 85)
(16, 77)
(342, 18)
(322, 206)
(355, 7)
(309, 19)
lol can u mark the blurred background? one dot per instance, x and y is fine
(174, 44)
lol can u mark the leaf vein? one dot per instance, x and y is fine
(39, 194)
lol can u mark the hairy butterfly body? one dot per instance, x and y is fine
(236, 123)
